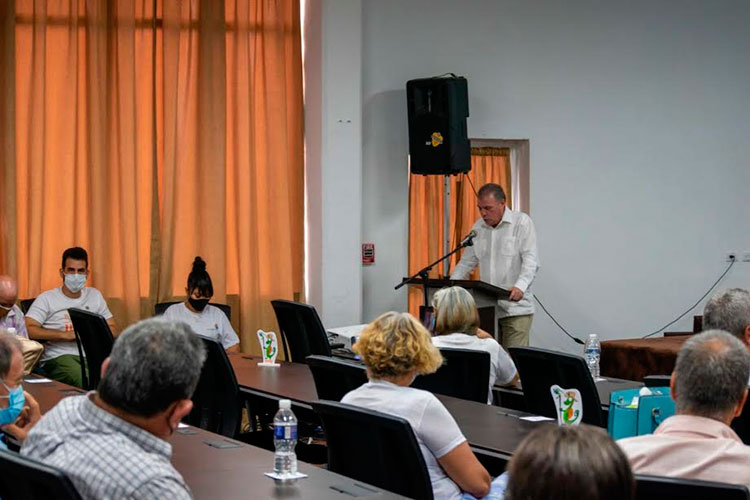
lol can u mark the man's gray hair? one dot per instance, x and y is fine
(492, 189)
(8, 344)
(728, 310)
(711, 374)
(154, 363)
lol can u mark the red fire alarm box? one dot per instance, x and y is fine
(368, 253)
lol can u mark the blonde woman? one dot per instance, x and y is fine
(396, 348)
(457, 325)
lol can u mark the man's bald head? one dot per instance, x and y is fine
(8, 294)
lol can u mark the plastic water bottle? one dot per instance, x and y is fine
(285, 439)
(593, 351)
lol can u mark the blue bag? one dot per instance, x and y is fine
(629, 418)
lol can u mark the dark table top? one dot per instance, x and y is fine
(487, 428)
(233, 472)
(604, 387)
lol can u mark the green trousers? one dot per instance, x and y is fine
(65, 369)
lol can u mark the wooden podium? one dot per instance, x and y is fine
(485, 295)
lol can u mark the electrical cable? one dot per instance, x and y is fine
(472, 185)
(731, 263)
(575, 339)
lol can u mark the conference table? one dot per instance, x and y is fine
(235, 472)
(635, 358)
(492, 432)
(512, 397)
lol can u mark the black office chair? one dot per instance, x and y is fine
(216, 400)
(302, 332)
(656, 380)
(95, 338)
(465, 374)
(375, 448)
(25, 304)
(162, 306)
(540, 369)
(335, 377)
(25, 478)
(670, 488)
(741, 424)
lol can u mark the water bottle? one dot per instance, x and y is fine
(285, 439)
(593, 351)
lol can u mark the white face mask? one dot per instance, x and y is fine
(75, 282)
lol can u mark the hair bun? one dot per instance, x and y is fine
(199, 265)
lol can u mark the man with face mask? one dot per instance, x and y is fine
(118, 433)
(48, 318)
(18, 409)
(11, 315)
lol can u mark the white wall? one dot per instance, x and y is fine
(333, 144)
(638, 116)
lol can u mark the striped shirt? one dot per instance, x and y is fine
(103, 455)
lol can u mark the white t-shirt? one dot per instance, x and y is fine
(211, 323)
(50, 309)
(502, 368)
(436, 431)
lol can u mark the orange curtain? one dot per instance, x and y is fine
(426, 202)
(149, 132)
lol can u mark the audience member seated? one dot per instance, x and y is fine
(11, 315)
(457, 325)
(48, 320)
(396, 348)
(709, 386)
(12, 320)
(729, 310)
(203, 318)
(568, 463)
(19, 411)
(112, 442)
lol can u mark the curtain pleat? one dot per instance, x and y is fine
(149, 132)
(426, 201)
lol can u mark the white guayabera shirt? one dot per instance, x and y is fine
(507, 257)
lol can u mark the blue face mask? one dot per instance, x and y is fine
(16, 402)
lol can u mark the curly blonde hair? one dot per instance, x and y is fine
(455, 311)
(395, 344)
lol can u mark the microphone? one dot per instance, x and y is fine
(467, 241)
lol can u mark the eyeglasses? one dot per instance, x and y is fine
(6, 308)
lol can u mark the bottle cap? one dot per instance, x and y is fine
(285, 404)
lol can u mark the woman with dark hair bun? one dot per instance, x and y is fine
(203, 318)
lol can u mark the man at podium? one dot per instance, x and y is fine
(505, 250)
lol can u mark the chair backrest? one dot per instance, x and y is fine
(465, 374)
(25, 304)
(95, 337)
(373, 447)
(25, 478)
(539, 369)
(741, 424)
(162, 306)
(216, 400)
(656, 380)
(302, 332)
(335, 377)
(670, 488)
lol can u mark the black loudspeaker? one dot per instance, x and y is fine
(438, 142)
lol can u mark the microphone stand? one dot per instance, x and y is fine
(425, 271)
